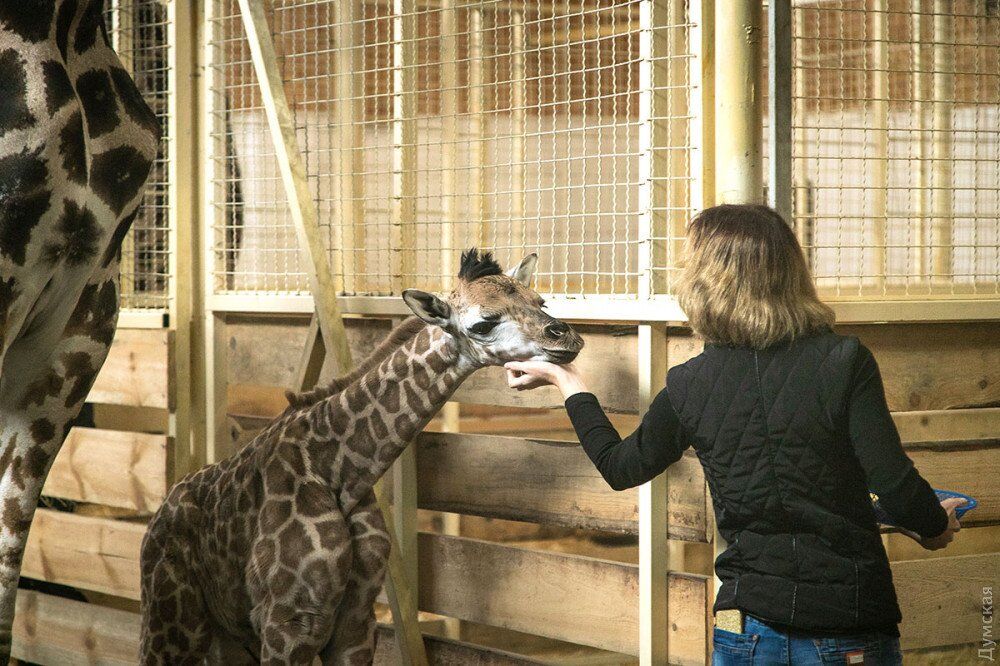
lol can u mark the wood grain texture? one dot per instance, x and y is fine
(120, 469)
(942, 599)
(545, 481)
(53, 630)
(572, 598)
(89, 553)
(137, 370)
(970, 467)
(447, 652)
(948, 424)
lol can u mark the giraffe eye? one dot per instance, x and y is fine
(483, 327)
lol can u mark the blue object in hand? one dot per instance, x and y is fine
(882, 517)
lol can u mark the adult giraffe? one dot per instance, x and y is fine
(76, 145)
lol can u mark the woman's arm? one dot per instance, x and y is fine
(902, 492)
(624, 463)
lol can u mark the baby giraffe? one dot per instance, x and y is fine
(276, 554)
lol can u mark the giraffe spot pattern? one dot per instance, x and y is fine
(114, 249)
(133, 102)
(24, 198)
(49, 384)
(117, 175)
(95, 313)
(13, 517)
(64, 20)
(80, 370)
(58, 89)
(14, 112)
(30, 19)
(78, 233)
(42, 430)
(90, 25)
(100, 103)
(73, 149)
(8, 296)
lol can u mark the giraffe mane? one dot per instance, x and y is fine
(406, 330)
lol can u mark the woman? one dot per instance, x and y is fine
(791, 425)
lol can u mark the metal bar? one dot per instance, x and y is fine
(449, 139)
(477, 93)
(404, 111)
(922, 68)
(779, 106)
(880, 125)
(331, 325)
(518, 126)
(702, 77)
(738, 103)
(654, 553)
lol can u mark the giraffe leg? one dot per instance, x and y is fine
(176, 628)
(353, 639)
(306, 579)
(43, 384)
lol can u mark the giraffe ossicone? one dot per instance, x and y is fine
(276, 554)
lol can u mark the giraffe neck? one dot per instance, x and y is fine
(380, 413)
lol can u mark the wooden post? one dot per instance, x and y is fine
(349, 77)
(738, 102)
(942, 199)
(449, 139)
(880, 125)
(779, 105)
(404, 111)
(330, 325)
(185, 259)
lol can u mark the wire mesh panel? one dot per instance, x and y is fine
(138, 32)
(896, 145)
(427, 128)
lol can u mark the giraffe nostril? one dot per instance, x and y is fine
(556, 330)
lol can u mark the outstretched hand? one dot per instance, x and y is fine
(527, 375)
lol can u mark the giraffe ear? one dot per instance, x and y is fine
(524, 270)
(428, 307)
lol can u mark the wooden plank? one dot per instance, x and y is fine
(121, 469)
(446, 652)
(137, 370)
(614, 383)
(930, 366)
(89, 553)
(566, 597)
(942, 599)
(971, 467)
(53, 630)
(948, 424)
(545, 481)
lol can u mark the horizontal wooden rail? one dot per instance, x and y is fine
(111, 467)
(448, 652)
(942, 598)
(89, 553)
(567, 597)
(137, 370)
(544, 481)
(53, 630)
(967, 466)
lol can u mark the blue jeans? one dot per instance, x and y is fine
(762, 645)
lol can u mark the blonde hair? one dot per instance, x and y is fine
(745, 281)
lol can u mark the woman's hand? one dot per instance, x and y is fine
(527, 375)
(940, 541)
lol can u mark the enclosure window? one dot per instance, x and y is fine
(138, 32)
(428, 128)
(896, 145)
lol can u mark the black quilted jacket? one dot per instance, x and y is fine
(791, 438)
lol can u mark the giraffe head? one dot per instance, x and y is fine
(496, 317)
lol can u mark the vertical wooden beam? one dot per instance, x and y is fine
(331, 325)
(404, 112)
(880, 125)
(654, 552)
(449, 140)
(184, 242)
(349, 77)
(923, 64)
(517, 129)
(738, 102)
(942, 199)
(218, 445)
(703, 103)
(801, 190)
(477, 120)
(779, 106)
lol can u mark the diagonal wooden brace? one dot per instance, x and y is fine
(330, 326)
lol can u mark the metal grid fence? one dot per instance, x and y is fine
(896, 145)
(138, 31)
(427, 128)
